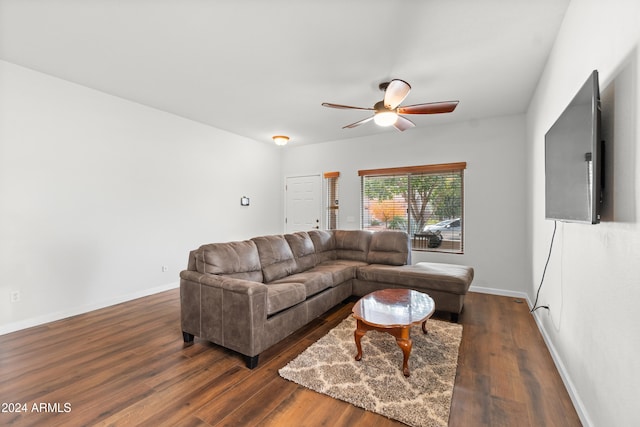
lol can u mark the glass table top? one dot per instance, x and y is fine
(394, 307)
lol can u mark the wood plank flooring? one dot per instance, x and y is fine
(127, 365)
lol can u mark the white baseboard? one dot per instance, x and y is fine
(571, 389)
(500, 292)
(52, 317)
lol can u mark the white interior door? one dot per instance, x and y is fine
(304, 203)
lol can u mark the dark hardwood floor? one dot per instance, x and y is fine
(127, 365)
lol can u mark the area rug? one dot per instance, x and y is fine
(376, 382)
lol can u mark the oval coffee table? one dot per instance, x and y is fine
(393, 311)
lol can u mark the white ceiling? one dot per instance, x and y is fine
(259, 68)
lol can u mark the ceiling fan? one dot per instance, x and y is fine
(387, 112)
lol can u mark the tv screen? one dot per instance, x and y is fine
(573, 159)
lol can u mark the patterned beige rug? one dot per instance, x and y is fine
(376, 382)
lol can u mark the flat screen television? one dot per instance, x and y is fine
(573, 159)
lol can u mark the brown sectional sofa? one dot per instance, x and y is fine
(249, 295)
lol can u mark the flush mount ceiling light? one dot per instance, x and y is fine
(280, 139)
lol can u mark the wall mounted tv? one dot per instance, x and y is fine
(574, 159)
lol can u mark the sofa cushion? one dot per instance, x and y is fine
(324, 244)
(314, 281)
(235, 259)
(303, 250)
(276, 257)
(352, 244)
(281, 296)
(341, 269)
(389, 247)
(451, 278)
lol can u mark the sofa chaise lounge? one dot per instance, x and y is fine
(249, 295)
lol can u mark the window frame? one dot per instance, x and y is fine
(417, 242)
(332, 195)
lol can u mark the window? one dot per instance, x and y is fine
(331, 179)
(425, 201)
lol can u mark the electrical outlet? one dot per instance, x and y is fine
(165, 268)
(15, 296)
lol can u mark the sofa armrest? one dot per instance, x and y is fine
(224, 310)
(225, 282)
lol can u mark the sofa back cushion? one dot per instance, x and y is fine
(352, 244)
(325, 245)
(235, 259)
(303, 250)
(276, 257)
(389, 247)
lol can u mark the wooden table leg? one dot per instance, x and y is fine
(358, 334)
(405, 345)
(401, 335)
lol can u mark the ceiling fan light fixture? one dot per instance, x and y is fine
(389, 112)
(385, 118)
(280, 139)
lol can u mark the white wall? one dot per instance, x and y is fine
(494, 187)
(98, 193)
(591, 286)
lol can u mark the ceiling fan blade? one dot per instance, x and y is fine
(430, 108)
(403, 124)
(344, 107)
(395, 93)
(358, 123)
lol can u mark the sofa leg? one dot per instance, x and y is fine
(187, 337)
(454, 317)
(252, 361)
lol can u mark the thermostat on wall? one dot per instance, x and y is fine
(244, 201)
